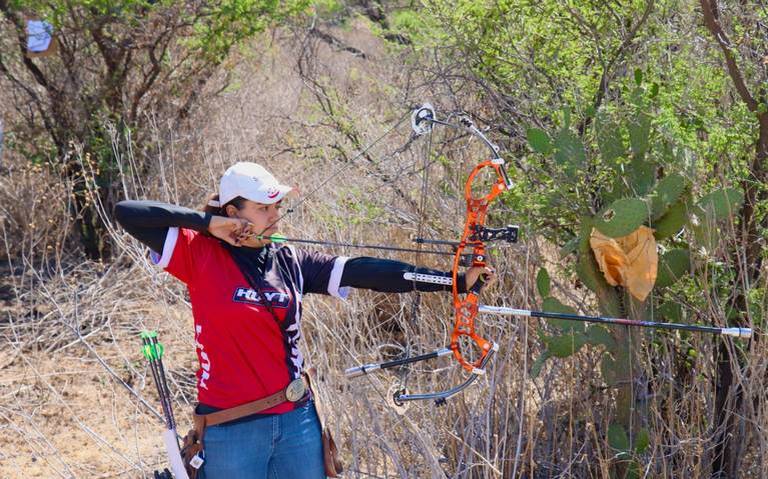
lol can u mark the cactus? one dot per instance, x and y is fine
(639, 126)
(709, 211)
(569, 150)
(634, 196)
(672, 221)
(622, 217)
(609, 140)
(539, 140)
(673, 265)
(666, 193)
(721, 204)
(543, 283)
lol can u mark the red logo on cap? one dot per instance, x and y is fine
(272, 193)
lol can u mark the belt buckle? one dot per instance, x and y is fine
(296, 390)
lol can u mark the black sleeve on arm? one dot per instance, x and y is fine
(148, 221)
(386, 276)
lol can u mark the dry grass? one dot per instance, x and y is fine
(75, 398)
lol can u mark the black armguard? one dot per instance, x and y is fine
(387, 276)
(148, 221)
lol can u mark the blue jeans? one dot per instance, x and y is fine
(282, 446)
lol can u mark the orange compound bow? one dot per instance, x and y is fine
(475, 236)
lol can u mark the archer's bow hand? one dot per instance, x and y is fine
(484, 274)
(234, 231)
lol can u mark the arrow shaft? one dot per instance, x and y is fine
(363, 246)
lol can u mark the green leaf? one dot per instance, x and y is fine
(673, 265)
(565, 345)
(721, 204)
(543, 283)
(622, 217)
(553, 305)
(609, 370)
(570, 247)
(609, 140)
(617, 437)
(670, 312)
(538, 364)
(638, 76)
(539, 141)
(639, 126)
(588, 273)
(667, 192)
(642, 174)
(598, 335)
(642, 440)
(569, 150)
(672, 222)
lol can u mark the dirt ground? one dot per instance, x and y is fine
(64, 414)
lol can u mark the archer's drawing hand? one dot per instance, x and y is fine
(473, 273)
(232, 230)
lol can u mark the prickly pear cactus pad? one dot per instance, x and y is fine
(622, 217)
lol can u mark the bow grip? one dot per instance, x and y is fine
(478, 286)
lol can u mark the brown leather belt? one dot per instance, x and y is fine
(294, 392)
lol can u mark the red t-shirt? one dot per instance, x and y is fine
(244, 353)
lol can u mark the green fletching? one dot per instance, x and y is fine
(147, 351)
(277, 238)
(152, 351)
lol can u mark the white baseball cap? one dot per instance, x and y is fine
(252, 182)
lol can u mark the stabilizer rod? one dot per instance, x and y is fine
(735, 332)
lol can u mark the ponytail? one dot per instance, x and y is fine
(212, 206)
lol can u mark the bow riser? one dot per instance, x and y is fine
(466, 308)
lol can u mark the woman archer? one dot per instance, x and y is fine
(257, 418)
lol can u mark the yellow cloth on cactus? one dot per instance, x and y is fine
(630, 261)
